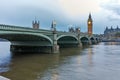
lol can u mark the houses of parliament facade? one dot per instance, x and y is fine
(89, 26)
(112, 33)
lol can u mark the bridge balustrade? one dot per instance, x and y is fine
(23, 29)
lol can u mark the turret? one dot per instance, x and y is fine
(117, 27)
(106, 28)
(111, 28)
(35, 24)
(53, 26)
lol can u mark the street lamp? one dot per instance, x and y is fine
(54, 26)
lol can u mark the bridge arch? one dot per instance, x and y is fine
(93, 40)
(84, 40)
(96, 39)
(25, 36)
(72, 36)
(67, 40)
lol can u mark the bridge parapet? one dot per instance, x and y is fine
(23, 29)
(83, 34)
(66, 33)
(43, 31)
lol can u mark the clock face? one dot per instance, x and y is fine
(89, 22)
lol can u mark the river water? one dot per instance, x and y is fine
(95, 62)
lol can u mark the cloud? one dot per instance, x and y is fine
(73, 8)
(23, 14)
(113, 8)
(65, 12)
(114, 17)
(24, 11)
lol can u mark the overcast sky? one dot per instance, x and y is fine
(65, 12)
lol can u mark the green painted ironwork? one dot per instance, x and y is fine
(7, 30)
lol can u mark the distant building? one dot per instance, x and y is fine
(74, 30)
(71, 29)
(35, 24)
(53, 25)
(90, 26)
(112, 33)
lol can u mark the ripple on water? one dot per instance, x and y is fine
(96, 62)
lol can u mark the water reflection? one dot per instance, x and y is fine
(5, 57)
(70, 64)
(55, 72)
(90, 55)
(55, 75)
(112, 43)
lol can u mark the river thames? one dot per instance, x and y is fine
(95, 62)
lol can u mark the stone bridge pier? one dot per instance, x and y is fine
(55, 48)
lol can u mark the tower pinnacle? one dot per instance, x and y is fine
(90, 18)
(35, 24)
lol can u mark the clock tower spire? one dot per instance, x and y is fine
(90, 24)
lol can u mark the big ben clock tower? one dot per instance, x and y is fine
(90, 24)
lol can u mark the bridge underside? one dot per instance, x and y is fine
(27, 43)
(97, 40)
(30, 49)
(20, 39)
(67, 41)
(84, 41)
(93, 41)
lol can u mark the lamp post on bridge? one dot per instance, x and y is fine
(53, 26)
(55, 48)
(79, 42)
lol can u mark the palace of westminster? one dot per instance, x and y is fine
(36, 25)
(112, 33)
(109, 33)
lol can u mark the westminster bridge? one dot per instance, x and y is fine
(25, 39)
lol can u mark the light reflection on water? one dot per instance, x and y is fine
(96, 62)
(5, 56)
